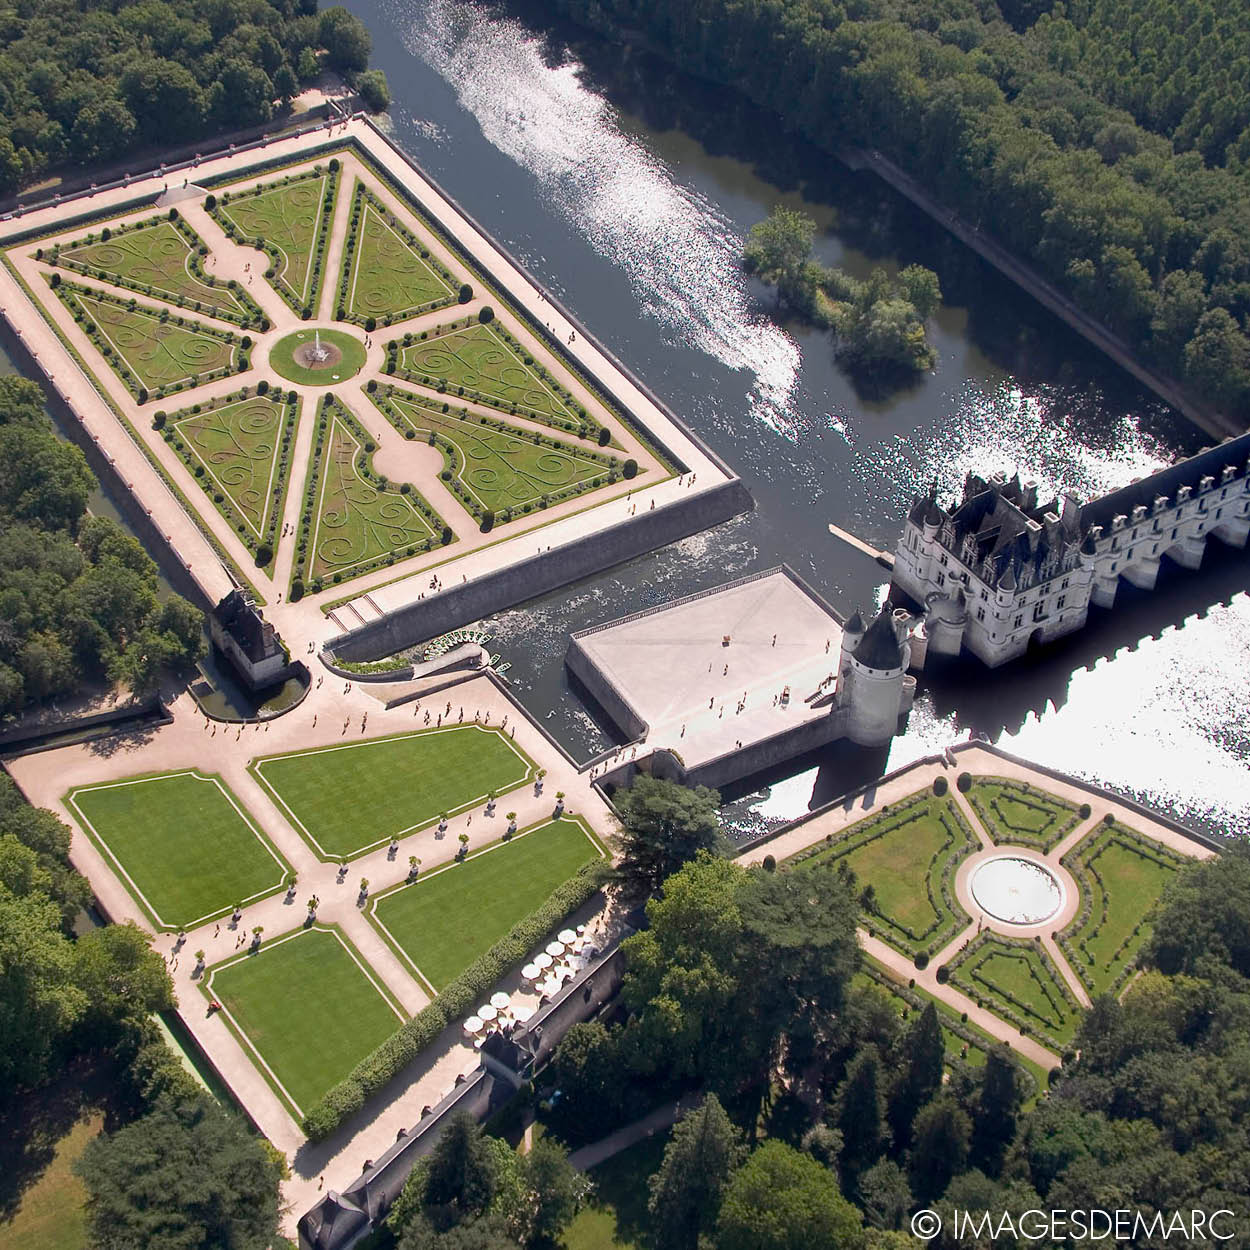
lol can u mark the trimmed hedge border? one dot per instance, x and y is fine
(612, 466)
(945, 904)
(288, 403)
(250, 315)
(70, 294)
(362, 200)
(317, 250)
(373, 1072)
(586, 426)
(965, 1032)
(303, 555)
(1003, 1004)
(1080, 862)
(984, 794)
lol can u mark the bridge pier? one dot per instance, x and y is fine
(1143, 574)
(1233, 532)
(1188, 552)
(1103, 591)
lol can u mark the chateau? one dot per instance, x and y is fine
(1001, 572)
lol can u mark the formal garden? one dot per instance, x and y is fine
(289, 220)
(1121, 875)
(495, 469)
(1019, 813)
(906, 857)
(239, 449)
(354, 520)
(308, 1008)
(162, 258)
(388, 273)
(154, 353)
(444, 920)
(183, 844)
(478, 359)
(350, 798)
(1018, 981)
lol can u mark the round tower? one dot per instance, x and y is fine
(874, 683)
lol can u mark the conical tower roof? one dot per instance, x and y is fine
(879, 647)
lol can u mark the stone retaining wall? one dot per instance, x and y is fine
(461, 605)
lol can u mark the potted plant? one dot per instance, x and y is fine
(442, 823)
(464, 846)
(364, 887)
(313, 903)
(256, 932)
(538, 781)
(511, 825)
(490, 803)
(413, 865)
(559, 809)
(199, 963)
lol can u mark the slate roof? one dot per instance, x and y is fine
(1211, 462)
(238, 616)
(879, 647)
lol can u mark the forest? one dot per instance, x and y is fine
(1120, 174)
(78, 595)
(85, 82)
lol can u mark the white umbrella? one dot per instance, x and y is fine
(567, 936)
(555, 948)
(500, 1000)
(488, 1012)
(543, 962)
(531, 972)
(523, 1013)
(473, 1024)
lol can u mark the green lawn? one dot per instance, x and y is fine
(157, 352)
(1019, 982)
(290, 222)
(616, 1216)
(1121, 875)
(442, 922)
(388, 272)
(159, 258)
(351, 357)
(182, 843)
(1016, 813)
(348, 799)
(484, 363)
(308, 1007)
(357, 523)
(908, 854)
(498, 468)
(237, 451)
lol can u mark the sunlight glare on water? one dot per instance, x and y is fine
(680, 253)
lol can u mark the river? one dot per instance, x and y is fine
(628, 190)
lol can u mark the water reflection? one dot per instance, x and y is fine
(611, 180)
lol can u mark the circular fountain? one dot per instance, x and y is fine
(1016, 890)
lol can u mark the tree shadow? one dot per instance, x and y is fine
(33, 1125)
(123, 740)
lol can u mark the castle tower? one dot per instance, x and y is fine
(877, 690)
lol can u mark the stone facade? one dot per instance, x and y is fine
(1000, 571)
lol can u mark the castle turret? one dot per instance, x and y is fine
(874, 682)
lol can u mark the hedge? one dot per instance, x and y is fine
(456, 999)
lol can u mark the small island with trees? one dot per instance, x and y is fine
(879, 321)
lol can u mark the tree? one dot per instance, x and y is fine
(777, 252)
(922, 1059)
(921, 290)
(40, 1002)
(462, 1177)
(166, 101)
(939, 1147)
(663, 826)
(782, 1199)
(187, 1176)
(346, 40)
(1217, 358)
(587, 1071)
(242, 95)
(122, 978)
(885, 1195)
(42, 480)
(285, 83)
(859, 1115)
(998, 1101)
(48, 839)
(553, 1190)
(486, 1233)
(373, 90)
(702, 1154)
